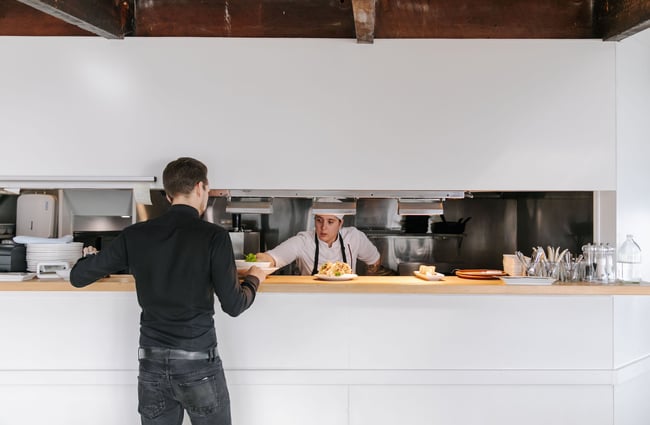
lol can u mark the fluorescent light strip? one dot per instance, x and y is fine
(150, 179)
(249, 207)
(419, 208)
(332, 208)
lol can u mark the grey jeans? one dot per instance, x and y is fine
(167, 387)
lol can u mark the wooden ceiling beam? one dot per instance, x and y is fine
(557, 19)
(245, 18)
(619, 19)
(17, 19)
(499, 19)
(106, 18)
(364, 20)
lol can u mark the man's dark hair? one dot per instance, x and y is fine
(181, 175)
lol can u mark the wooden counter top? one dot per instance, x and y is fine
(362, 284)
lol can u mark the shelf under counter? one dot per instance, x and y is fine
(362, 284)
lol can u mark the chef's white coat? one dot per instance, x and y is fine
(301, 248)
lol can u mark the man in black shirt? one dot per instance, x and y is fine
(179, 262)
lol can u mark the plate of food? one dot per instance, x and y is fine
(480, 273)
(429, 276)
(335, 271)
(241, 264)
(428, 273)
(251, 260)
(346, 276)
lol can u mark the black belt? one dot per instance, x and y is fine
(155, 353)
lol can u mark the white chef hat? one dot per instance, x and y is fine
(329, 201)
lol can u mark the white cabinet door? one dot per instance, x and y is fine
(481, 405)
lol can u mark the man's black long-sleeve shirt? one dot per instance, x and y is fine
(179, 262)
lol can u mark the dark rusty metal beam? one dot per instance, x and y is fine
(245, 18)
(318, 18)
(364, 20)
(619, 19)
(17, 19)
(106, 18)
(484, 19)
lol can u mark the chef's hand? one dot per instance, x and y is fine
(261, 256)
(378, 270)
(89, 250)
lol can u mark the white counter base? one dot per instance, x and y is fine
(349, 359)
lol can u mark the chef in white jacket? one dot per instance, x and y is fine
(329, 241)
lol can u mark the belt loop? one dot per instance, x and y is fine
(212, 354)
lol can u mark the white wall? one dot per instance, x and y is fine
(633, 143)
(315, 114)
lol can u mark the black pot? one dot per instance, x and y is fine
(415, 223)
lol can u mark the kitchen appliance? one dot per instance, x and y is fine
(13, 258)
(7, 230)
(245, 243)
(36, 215)
(50, 269)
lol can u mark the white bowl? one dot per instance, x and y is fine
(243, 264)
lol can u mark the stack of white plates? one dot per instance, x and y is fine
(52, 252)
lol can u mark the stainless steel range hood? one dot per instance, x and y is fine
(99, 202)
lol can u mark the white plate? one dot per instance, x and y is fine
(348, 276)
(242, 264)
(16, 276)
(267, 270)
(437, 276)
(527, 280)
(55, 247)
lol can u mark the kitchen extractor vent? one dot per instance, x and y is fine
(100, 202)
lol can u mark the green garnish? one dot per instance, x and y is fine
(250, 258)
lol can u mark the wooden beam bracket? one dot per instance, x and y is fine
(364, 20)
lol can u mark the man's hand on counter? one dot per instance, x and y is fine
(258, 272)
(89, 250)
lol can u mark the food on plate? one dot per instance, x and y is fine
(428, 270)
(250, 258)
(337, 268)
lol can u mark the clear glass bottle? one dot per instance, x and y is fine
(628, 262)
(588, 251)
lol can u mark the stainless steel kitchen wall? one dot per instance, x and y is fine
(501, 222)
(505, 222)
